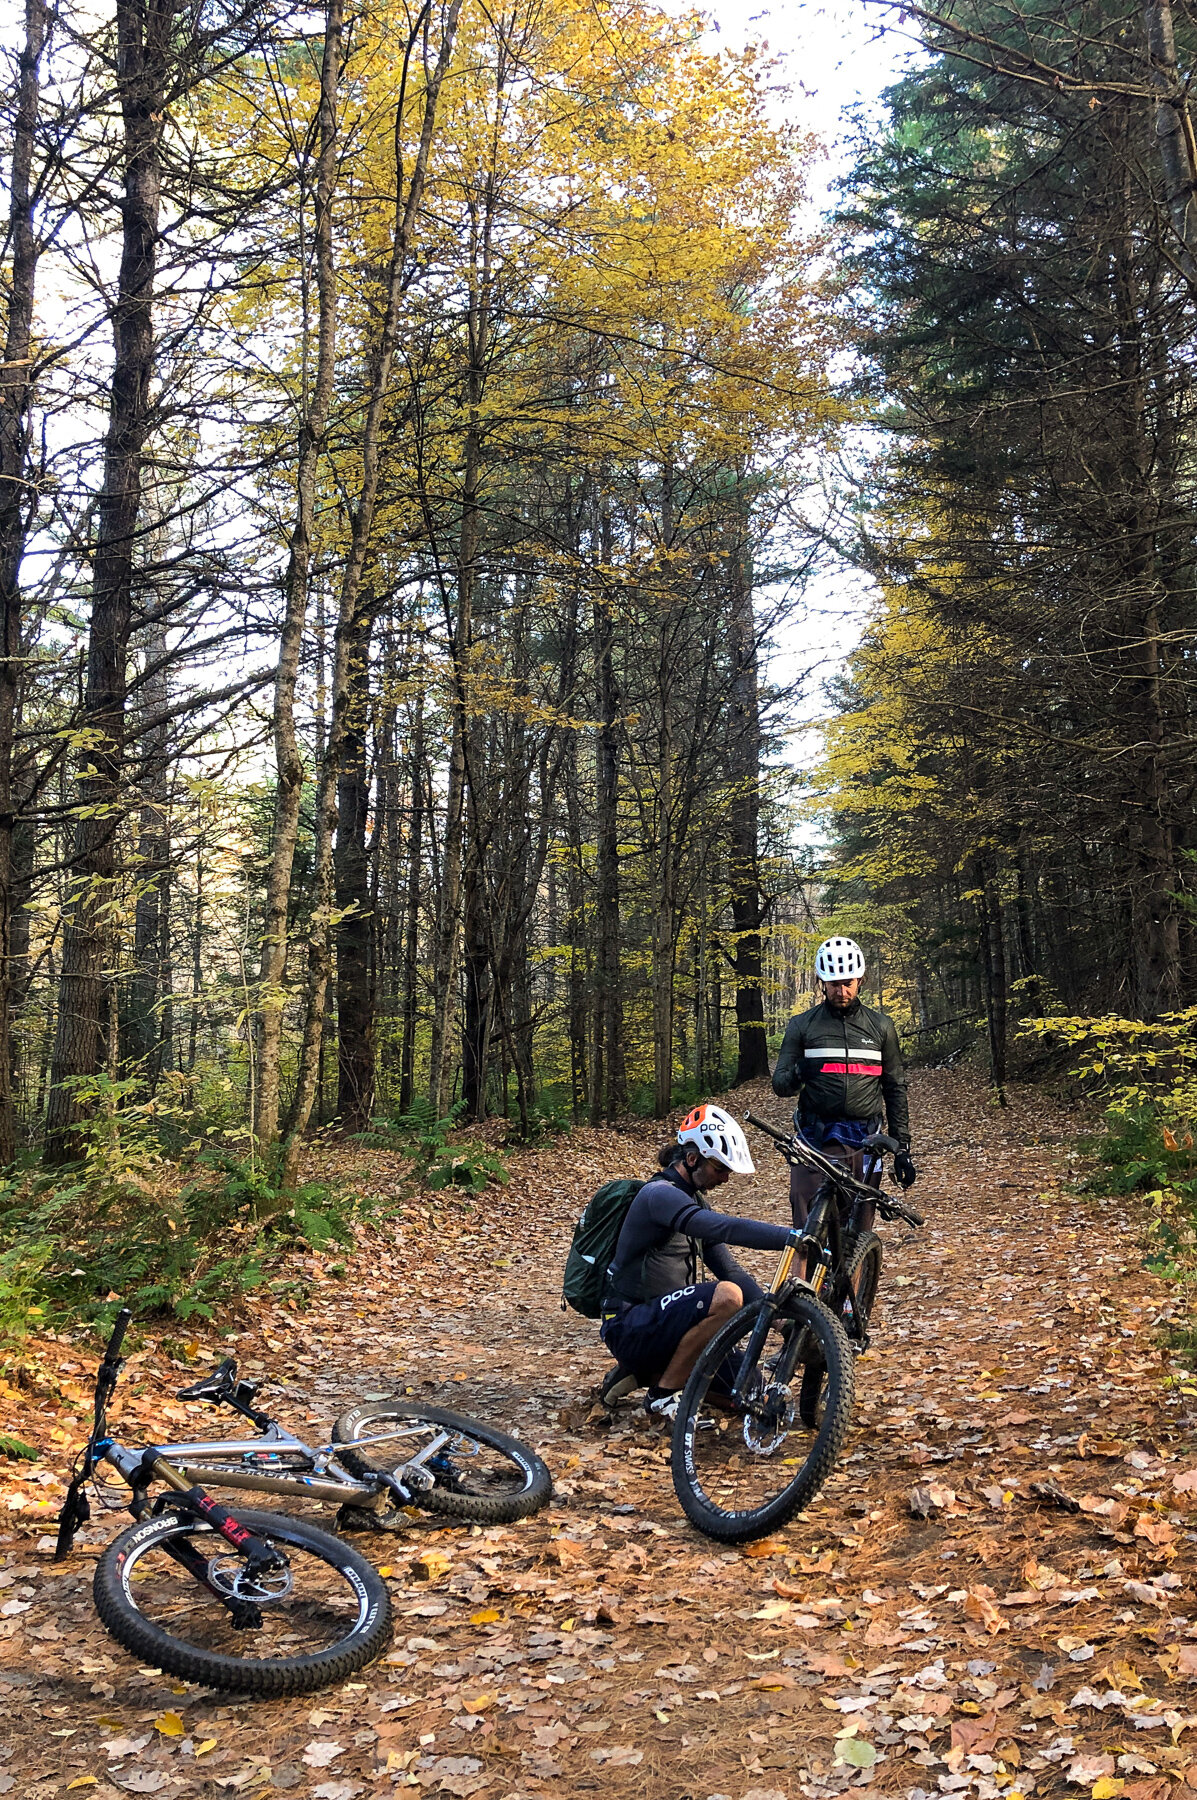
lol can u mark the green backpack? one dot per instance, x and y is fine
(595, 1236)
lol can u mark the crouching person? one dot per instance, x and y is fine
(657, 1315)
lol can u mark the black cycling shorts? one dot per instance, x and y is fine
(644, 1337)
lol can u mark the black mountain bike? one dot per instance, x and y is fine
(768, 1404)
(256, 1602)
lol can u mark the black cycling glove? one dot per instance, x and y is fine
(904, 1170)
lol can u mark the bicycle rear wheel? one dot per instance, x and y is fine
(861, 1274)
(181, 1598)
(477, 1472)
(743, 1471)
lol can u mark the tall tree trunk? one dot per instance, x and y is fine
(349, 612)
(608, 1092)
(993, 965)
(288, 760)
(411, 938)
(449, 912)
(86, 1003)
(351, 869)
(477, 1022)
(143, 1021)
(16, 390)
(1173, 134)
(744, 765)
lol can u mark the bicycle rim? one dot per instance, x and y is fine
(739, 1472)
(477, 1472)
(287, 1631)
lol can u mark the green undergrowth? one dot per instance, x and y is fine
(1144, 1149)
(153, 1222)
(436, 1163)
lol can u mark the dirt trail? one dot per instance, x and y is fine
(1000, 1645)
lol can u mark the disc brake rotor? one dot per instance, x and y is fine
(765, 1434)
(231, 1577)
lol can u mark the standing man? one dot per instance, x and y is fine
(843, 1062)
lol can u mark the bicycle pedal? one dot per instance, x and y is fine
(360, 1518)
(860, 1345)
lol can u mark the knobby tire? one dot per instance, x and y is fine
(828, 1341)
(532, 1484)
(365, 1639)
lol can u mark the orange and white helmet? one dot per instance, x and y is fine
(717, 1135)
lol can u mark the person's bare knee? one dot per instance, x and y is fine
(727, 1299)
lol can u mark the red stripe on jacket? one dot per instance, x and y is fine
(839, 1068)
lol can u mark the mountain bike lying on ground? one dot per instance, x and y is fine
(768, 1404)
(253, 1601)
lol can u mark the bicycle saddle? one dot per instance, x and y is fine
(214, 1386)
(877, 1140)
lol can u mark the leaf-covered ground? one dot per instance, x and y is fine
(1030, 1634)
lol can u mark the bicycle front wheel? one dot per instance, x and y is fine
(477, 1473)
(741, 1470)
(181, 1598)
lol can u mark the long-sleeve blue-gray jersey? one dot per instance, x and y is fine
(667, 1230)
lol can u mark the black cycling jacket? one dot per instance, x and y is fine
(666, 1229)
(843, 1064)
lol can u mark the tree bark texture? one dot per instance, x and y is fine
(288, 759)
(744, 761)
(351, 872)
(351, 597)
(86, 998)
(16, 389)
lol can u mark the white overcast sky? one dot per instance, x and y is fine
(836, 59)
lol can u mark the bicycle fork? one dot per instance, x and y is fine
(795, 1240)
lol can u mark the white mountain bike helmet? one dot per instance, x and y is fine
(717, 1135)
(839, 959)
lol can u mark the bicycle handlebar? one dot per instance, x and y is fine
(119, 1329)
(814, 1159)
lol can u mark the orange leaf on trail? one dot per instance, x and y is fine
(765, 1547)
(567, 1552)
(1156, 1531)
(1186, 1664)
(1113, 1510)
(1170, 1142)
(976, 1737)
(1185, 1483)
(979, 1605)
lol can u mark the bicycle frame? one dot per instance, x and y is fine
(186, 1465)
(822, 1237)
(273, 1461)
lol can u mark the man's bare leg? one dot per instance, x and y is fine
(726, 1300)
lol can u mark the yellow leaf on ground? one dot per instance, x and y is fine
(203, 1749)
(1107, 1788)
(169, 1724)
(489, 1615)
(430, 1565)
(81, 1781)
(480, 1702)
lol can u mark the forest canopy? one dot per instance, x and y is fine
(401, 415)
